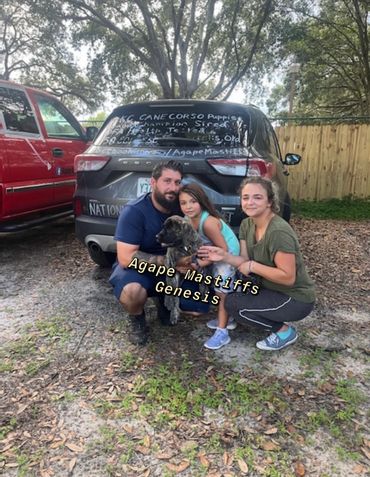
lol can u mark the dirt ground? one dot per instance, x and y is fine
(76, 399)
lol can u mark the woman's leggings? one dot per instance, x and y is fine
(268, 310)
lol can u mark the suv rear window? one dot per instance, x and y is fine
(191, 125)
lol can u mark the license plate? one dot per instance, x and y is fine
(99, 209)
(143, 186)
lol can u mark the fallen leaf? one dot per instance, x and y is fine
(366, 442)
(22, 408)
(74, 447)
(129, 429)
(142, 449)
(188, 446)
(178, 468)
(9, 446)
(146, 441)
(366, 452)
(243, 466)
(71, 464)
(359, 469)
(299, 469)
(11, 464)
(164, 455)
(88, 379)
(56, 444)
(270, 446)
(272, 430)
(203, 460)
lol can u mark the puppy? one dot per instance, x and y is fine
(181, 240)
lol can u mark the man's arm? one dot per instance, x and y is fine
(126, 252)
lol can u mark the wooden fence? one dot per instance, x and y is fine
(335, 160)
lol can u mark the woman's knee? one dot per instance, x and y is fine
(232, 304)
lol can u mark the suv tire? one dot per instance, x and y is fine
(287, 208)
(103, 259)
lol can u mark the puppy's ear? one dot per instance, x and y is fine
(176, 218)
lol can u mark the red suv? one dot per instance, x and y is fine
(39, 139)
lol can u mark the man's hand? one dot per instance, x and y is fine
(184, 264)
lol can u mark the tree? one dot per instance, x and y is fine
(332, 48)
(173, 48)
(35, 51)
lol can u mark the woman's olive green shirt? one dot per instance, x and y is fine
(279, 237)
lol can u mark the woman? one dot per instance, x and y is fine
(269, 249)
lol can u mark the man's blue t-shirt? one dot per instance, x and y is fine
(139, 223)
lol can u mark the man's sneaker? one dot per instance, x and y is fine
(164, 315)
(274, 342)
(213, 324)
(138, 330)
(220, 338)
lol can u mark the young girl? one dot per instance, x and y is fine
(203, 216)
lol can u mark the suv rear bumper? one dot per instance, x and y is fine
(96, 230)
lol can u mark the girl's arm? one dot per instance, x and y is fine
(217, 254)
(212, 230)
(284, 273)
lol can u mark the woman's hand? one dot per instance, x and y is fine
(214, 254)
(246, 267)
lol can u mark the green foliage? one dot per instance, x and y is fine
(4, 430)
(339, 209)
(38, 52)
(174, 48)
(331, 46)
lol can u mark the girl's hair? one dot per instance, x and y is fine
(200, 196)
(270, 188)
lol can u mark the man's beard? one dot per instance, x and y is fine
(170, 205)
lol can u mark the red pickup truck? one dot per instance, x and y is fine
(39, 139)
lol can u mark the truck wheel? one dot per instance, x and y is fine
(287, 208)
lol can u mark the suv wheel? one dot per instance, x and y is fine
(287, 208)
(104, 259)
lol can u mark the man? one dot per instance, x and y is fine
(137, 227)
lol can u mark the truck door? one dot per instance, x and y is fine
(65, 139)
(27, 169)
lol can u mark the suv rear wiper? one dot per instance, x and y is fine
(175, 140)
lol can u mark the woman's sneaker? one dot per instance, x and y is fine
(220, 338)
(274, 342)
(213, 324)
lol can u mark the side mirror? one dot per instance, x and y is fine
(291, 159)
(91, 133)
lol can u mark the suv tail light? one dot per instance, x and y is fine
(77, 207)
(87, 162)
(252, 166)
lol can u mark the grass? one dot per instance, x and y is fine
(340, 209)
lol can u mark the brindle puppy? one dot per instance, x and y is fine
(181, 240)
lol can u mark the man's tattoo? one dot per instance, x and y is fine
(147, 257)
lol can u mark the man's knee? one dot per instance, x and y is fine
(133, 295)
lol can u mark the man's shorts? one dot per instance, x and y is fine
(123, 276)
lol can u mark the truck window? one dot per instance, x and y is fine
(59, 122)
(17, 111)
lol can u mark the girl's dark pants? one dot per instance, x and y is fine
(268, 309)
